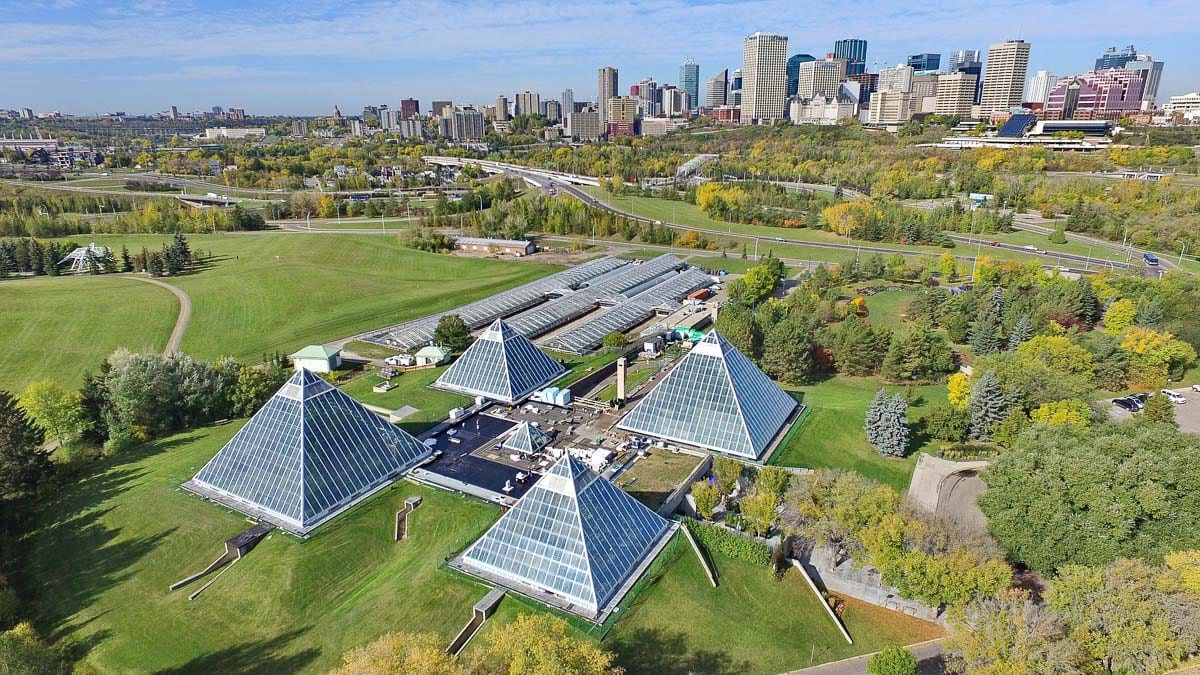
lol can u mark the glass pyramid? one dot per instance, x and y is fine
(573, 540)
(308, 454)
(502, 365)
(714, 399)
(527, 439)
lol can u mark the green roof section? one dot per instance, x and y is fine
(316, 352)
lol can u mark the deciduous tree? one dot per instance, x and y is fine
(452, 333)
(706, 496)
(538, 644)
(57, 411)
(401, 654)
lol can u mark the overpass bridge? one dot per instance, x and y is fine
(515, 169)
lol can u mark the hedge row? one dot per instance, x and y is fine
(720, 540)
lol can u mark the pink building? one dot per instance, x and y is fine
(1096, 94)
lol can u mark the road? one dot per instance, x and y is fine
(181, 322)
(930, 661)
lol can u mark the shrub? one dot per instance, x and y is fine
(706, 496)
(968, 452)
(720, 540)
(893, 661)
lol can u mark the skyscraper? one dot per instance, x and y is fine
(622, 115)
(764, 77)
(1153, 71)
(735, 87)
(606, 88)
(960, 57)
(1040, 86)
(501, 108)
(1116, 58)
(718, 89)
(955, 94)
(921, 62)
(1004, 76)
(410, 108)
(898, 78)
(793, 70)
(818, 79)
(689, 81)
(855, 53)
(568, 102)
(553, 111)
(528, 103)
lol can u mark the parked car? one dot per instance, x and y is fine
(1196, 387)
(1142, 397)
(1174, 396)
(1126, 404)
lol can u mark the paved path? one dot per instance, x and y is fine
(181, 323)
(930, 661)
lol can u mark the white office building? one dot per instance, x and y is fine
(899, 78)
(764, 77)
(1040, 86)
(818, 79)
(1004, 76)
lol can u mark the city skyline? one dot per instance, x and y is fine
(86, 58)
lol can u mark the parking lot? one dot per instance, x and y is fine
(1186, 414)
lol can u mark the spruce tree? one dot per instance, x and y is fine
(1089, 305)
(998, 301)
(893, 437)
(23, 464)
(985, 334)
(875, 416)
(1022, 332)
(988, 406)
(126, 264)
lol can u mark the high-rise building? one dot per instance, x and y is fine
(300, 128)
(1040, 86)
(818, 79)
(357, 128)
(409, 108)
(793, 70)
(237, 114)
(370, 113)
(1153, 70)
(764, 77)
(1097, 94)
(898, 78)
(1004, 76)
(606, 88)
(735, 88)
(622, 116)
(689, 81)
(172, 112)
(1116, 58)
(675, 102)
(568, 102)
(468, 125)
(411, 128)
(889, 106)
(717, 91)
(923, 62)
(528, 103)
(649, 98)
(439, 108)
(583, 126)
(553, 111)
(501, 108)
(955, 94)
(855, 53)
(924, 93)
(960, 57)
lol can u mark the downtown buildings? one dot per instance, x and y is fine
(1004, 77)
(689, 81)
(764, 77)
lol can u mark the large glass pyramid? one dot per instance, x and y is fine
(573, 541)
(527, 439)
(308, 454)
(715, 399)
(502, 365)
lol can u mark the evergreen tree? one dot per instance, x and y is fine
(126, 264)
(1089, 305)
(998, 301)
(918, 354)
(988, 406)
(787, 352)
(891, 430)
(1059, 235)
(985, 334)
(23, 464)
(1022, 332)
(51, 257)
(875, 416)
(145, 260)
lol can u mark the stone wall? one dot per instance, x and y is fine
(861, 583)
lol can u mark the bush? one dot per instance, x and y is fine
(893, 661)
(719, 540)
(968, 452)
(9, 604)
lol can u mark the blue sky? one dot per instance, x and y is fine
(88, 56)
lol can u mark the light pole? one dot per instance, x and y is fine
(1181, 250)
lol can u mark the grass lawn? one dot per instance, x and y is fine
(370, 350)
(60, 327)
(832, 435)
(412, 388)
(654, 476)
(105, 550)
(750, 623)
(272, 292)
(580, 366)
(884, 307)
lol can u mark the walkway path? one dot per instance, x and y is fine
(181, 323)
(930, 661)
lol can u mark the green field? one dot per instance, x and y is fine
(104, 552)
(750, 623)
(832, 435)
(61, 327)
(652, 478)
(262, 293)
(412, 388)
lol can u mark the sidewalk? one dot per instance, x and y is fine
(930, 661)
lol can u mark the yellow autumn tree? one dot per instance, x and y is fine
(1070, 412)
(1120, 315)
(401, 654)
(958, 390)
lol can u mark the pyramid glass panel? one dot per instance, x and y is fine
(714, 399)
(308, 454)
(527, 439)
(574, 540)
(502, 365)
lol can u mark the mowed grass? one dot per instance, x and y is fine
(104, 551)
(652, 478)
(273, 292)
(832, 435)
(750, 623)
(412, 388)
(60, 327)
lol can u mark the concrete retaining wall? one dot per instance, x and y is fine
(860, 583)
(681, 491)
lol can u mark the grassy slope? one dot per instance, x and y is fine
(275, 291)
(60, 327)
(750, 623)
(107, 549)
(832, 436)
